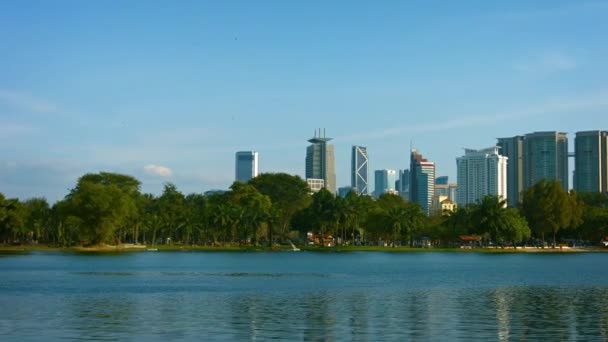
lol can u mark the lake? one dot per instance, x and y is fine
(363, 296)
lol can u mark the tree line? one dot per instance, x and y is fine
(109, 208)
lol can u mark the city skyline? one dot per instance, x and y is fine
(170, 94)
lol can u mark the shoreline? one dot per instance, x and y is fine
(128, 248)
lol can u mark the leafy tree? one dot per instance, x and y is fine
(548, 208)
(39, 214)
(515, 228)
(490, 216)
(595, 223)
(393, 219)
(256, 209)
(196, 217)
(288, 194)
(171, 211)
(13, 215)
(323, 213)
(103, 203)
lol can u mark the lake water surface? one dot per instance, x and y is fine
(367, 296)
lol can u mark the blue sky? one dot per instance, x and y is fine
(169, 91)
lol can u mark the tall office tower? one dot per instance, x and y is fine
(513, 149)
(443, 180)
(246, 166)
(384, 181)
(359, 170)
(481, 173)
(320, 161)
(591, 161)
(402, 185)
(422, 181)
(545, 157)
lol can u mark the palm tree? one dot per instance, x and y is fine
(397, 220)
(491, 215)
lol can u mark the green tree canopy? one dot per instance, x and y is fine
(288, 194)
(549, 208)
(102, 202)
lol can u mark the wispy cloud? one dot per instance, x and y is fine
(588, 102)
(10, 130)
(157, 170)
(26, 102)
(546, 63)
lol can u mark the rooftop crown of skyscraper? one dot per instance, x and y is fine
(318, 138)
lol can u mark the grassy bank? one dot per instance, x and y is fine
(337, 249)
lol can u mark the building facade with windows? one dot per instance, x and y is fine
(591, 161)
(481, 173)
(384, 182)
(545, 156)
(320, 161)
(246, 165)
(513, 149)
(359, 170)
(422, 181)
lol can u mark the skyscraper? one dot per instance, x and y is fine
(513, 149)
(545, 157)
(359, 170)
(320, 161)
(384, 181)
(246, 165)
(591, 161)
(402, 185)
(422, 181)
(481, 173)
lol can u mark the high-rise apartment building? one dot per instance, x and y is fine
(591, 161)
(422, 181)
(246, 165)
(481, 173)
(384, 181)
(545, 156)
(513, 149)
(320, 161)
(360, 170)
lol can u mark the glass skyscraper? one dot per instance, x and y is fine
(591, 161)
(384, 181)
(422, 181)
(513, 149)
(359, 170)
(545, 157)
(246, 166)
(320, 161)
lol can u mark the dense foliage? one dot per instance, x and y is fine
(109, 208)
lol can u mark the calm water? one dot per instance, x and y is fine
(303, 296)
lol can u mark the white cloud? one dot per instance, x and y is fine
(546, 63)
(157, 170)
(26, 102)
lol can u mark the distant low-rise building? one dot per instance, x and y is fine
(315, 184)
(442, 205)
